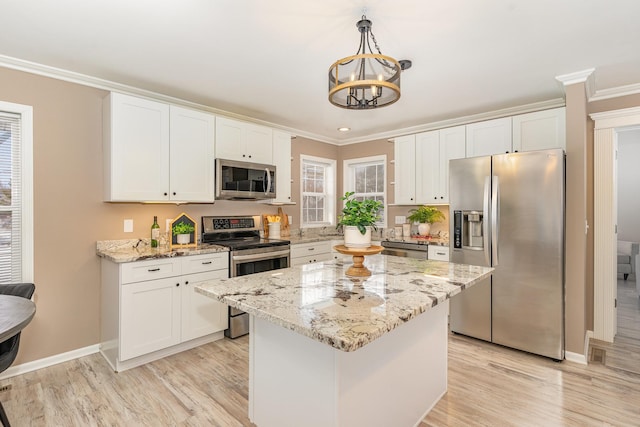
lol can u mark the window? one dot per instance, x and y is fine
(318, 191)
(16, 193)
(367, 178)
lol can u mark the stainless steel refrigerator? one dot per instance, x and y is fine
(507, 212)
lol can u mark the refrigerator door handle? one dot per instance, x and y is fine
(485, 223)
(495, 220)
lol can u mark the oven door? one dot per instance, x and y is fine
(249, 261)
(252, 261)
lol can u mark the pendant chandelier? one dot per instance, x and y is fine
(365, 80)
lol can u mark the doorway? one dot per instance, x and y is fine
(608, 127)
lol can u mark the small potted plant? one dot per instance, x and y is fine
(358, 217)
(425, 216)
(182, 231)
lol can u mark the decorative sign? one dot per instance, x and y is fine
(184, 232)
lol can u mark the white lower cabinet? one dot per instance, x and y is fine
(305, 253)
(150, 309)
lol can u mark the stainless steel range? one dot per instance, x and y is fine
(249, 253)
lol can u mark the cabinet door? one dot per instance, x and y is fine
(282, 161)
(191, 155)
(540, 130)
(136, 141)
(201, 315)
(150, 317)
(404, 149)
(452, 146)
(229, 139)
(427, 161)
(258, 144)
(489, 137)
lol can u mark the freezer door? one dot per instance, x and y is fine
(469, 190)
(528, 281)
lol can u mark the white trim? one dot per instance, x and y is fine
(616, 118)
(98, 83)
(580, 358)
(585, 76)
(347, 180)
(458, 121)
(607, 124)
(49, 361)
(26, 145)
(616, 92)
(332, 186)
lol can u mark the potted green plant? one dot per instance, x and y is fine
(182, 231)
(425, 216)
(358, 217)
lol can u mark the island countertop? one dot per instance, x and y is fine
(319, 301)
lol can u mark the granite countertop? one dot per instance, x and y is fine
(319, 301)
(140, 249)
(312, 239)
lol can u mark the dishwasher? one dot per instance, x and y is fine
(405, 249)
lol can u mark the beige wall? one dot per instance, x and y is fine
(69, 215)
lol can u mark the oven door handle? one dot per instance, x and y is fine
(261, 256)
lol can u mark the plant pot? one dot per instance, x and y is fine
(424, 228)
(183, 239)
(354, 239)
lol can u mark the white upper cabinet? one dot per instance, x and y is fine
(540, 130)
(282, 162)
(452, 146)
(135, 149)
(236, 140)
(404, 149)
(433, 151)
(191, 155)
(427, 165)
(156, 152)
(489, 137)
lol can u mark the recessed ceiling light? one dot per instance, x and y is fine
(344, 129)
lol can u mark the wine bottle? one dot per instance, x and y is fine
(155, 232)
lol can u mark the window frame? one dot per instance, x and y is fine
(348, 173)
(26, 162)
(330, 190)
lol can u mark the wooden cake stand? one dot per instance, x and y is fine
(358, 269)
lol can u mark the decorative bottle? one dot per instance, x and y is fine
(155, 232)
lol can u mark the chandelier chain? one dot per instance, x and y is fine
(375, 43)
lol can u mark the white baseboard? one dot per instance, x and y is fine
(48, 361)
(577, 357)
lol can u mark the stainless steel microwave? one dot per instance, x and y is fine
(241, 180)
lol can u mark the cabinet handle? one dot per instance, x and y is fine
(174, 193)
(186, 282)
(177, 284)
(165, 194)
(311, 249)
(440, 253)
(249, 155)
(151, 270)
(244, 155)
(206, 263)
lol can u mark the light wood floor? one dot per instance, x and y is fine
(207, 386)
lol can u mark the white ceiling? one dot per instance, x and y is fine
(269, 59)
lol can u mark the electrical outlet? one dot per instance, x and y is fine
(401, 219)
(128, 226)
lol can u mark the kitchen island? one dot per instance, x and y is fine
(330, 350)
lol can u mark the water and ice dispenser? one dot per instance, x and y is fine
(467, 229)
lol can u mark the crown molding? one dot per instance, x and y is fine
(465, 120)
(98, 83)
(584, 76)
(616, 92)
